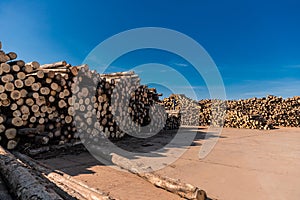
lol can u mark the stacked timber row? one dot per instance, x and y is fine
(34, 102)
(187, 108)
(173, 120)
(172, 102)
(254, 113)
(58, 103)
(275, 111)
(172, 106)
(114, 104)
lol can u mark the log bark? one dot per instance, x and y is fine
(53, 65)
(4, 193)
(23, 184)
(63, 180)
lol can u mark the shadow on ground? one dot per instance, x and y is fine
(70, 158)
(77, 160)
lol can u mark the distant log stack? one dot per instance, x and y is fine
(255, 113)
(172, 106)
(187, 109)
(173, 120)
(266, 112)
(172, 102)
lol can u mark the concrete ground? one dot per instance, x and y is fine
(244, 164)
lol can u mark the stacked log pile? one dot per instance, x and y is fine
(172, 102)
(34, 102)
(254, 113)
(187, 110)
(58, 103)
(270, 111)
(119, 104)
(173, 120)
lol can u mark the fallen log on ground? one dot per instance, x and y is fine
(175, 186)
(22, 183)
(64, 181)
(184, 190)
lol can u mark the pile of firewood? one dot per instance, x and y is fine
(59, 103)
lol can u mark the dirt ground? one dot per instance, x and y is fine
(244, 164)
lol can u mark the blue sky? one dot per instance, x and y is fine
(255, 44)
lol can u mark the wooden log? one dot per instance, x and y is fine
(5, 102)
(14, 106)
(27, 131)
(40, 74)
(7, 78)
(5, 67)
(2, 118)
(23, 93)
(15, 95)
(175, 186)
(12, 55)
(56, 70)
(2, 129)
(19, 83)
(53, 65)
(17, 113)
(11, 133)
(184, 190)
(2, 89)
(33, 65)
(4, 193)
(3, 57)
(20, 63)
(36, 86)
(12, 144)
(15, 68)
(16, 121)
(21, 181)
(29, 81)
(64, 181)
(3, 96)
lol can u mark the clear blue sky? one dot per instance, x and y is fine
(255, 44)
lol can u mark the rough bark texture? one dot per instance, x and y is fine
(64, 181)
(4, 193)
(22, 183)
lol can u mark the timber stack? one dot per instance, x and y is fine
(187, 109)
(254, 113)
(172, 106)
(59, 103)
(114, 104)
(271, 110)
